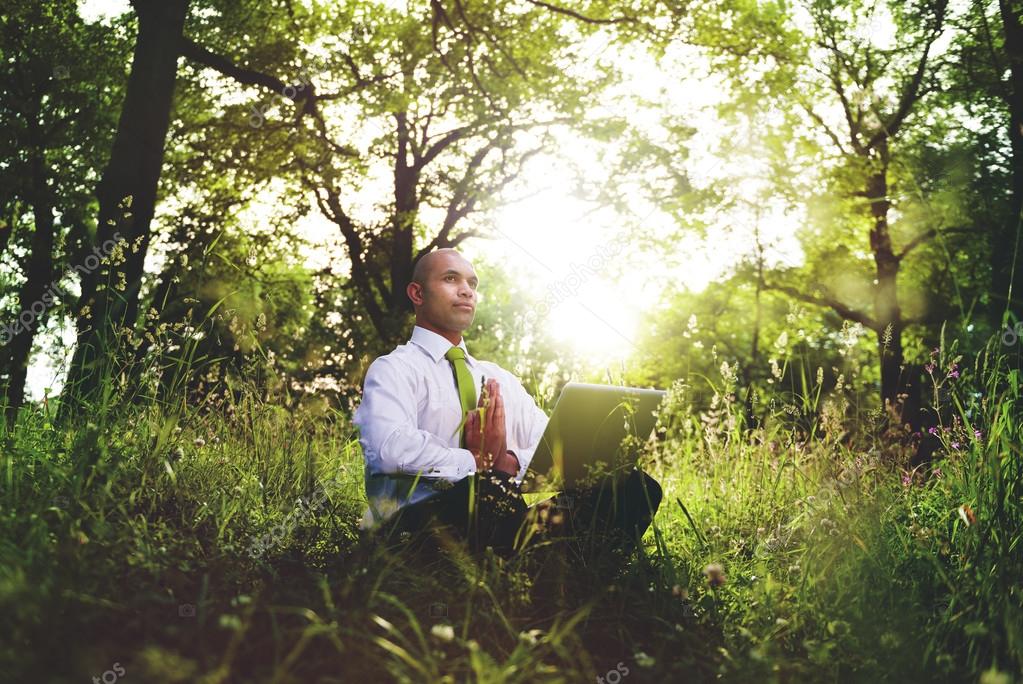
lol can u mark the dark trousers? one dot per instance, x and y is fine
(487, 509)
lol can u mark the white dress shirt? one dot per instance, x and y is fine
(408, 422)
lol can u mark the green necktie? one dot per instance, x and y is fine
(466, 388)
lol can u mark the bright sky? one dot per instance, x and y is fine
(558, 244)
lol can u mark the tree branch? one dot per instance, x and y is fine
(911, 93)
(577, 15)
(820, 122)
(927, 235)
(207, 57)
(827, 302)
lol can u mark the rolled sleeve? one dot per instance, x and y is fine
(391, 440)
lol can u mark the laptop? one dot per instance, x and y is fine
(593, 429)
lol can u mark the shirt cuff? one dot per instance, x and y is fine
(522, 467)
(462, 464)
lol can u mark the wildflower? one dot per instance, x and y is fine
(953, 372)
(531, 637)
(929, 367)
(715, 575)
(934, 352)
(680, 592)
(643, 660)
(978, 435)
(443, 632)
(995, 676)
(937, 473)
(907, 479)
(200, 442)
(967, 514)
(932, 430)
(955, 445)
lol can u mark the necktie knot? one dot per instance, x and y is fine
(455, 353)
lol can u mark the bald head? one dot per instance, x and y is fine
(431, 260)
(443, 292)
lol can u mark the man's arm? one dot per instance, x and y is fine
(392, 442)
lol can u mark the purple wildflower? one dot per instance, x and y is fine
(932, 430)
(955, 445)
(907, 479)
(953, 372)
(938, 473)
(929, 368)
(978, 435)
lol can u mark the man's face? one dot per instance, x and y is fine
(449, 294)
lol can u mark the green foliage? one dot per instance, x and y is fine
(62, 84)
(773, 557)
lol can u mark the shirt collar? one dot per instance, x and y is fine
(435, 345)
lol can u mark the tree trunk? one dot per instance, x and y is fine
(35, 297)
(406, 209)
(1006, 269)
(887, 311)
(127, 196)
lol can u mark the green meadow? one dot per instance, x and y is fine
(221, 543)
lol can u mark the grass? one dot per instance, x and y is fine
(222, 544)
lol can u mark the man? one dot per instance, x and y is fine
(433, 457)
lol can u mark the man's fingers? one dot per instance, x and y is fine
(495, 414)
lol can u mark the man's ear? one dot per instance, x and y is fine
(415, 293)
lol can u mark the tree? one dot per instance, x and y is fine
(127, 193)
(59, 77)
(128, 189)
(462, 97)
(988, 79)
(850, 104)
